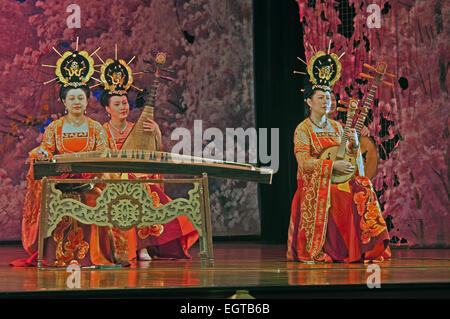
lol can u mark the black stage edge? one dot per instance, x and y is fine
(386, 291)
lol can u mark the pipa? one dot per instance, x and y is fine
(138, 138)
(369, 150)
(338, 152)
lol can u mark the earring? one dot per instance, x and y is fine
(65, 111)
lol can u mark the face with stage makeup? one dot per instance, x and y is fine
(75, 100)
(319, 102)
(118, 107)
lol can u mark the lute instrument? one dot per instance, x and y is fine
(339, 152)
(368, 148)
(138, 139)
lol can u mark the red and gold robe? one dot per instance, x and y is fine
(71, 241)
(339, 222)
(171, 240)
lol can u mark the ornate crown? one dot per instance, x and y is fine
(324, 69)
(116, 75)
(73, 68)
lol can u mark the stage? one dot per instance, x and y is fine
(260, 269)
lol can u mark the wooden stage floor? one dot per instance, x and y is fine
(260, 269)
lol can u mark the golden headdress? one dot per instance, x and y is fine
(324, 69)
(116, 75)
(73, 68)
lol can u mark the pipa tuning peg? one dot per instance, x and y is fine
(167, 78)
(352, 103)
(380, 69)
(168, 70)
(368, 66)
(341, 109)
(366, 76)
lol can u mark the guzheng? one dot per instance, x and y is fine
(149, 162)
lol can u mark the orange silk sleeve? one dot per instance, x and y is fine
(101, 138)
(48, 142)
(314, 178)
(32, 203)
(303, 148)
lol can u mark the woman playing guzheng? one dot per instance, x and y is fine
(71, 241)
(171, 240)
(331, 222)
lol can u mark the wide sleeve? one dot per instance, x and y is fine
(314, 180)
(32, 202)
(303, 147)
(48, 143)
(101, 138)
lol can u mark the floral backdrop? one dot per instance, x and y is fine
(208, 45)
(408, 122)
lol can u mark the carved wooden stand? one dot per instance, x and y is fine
(125, 204)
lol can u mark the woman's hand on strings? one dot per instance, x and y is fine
(151, 126)
(42, 154)
(342, 167)
(353, 138)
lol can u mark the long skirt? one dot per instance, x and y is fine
(355, 230)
